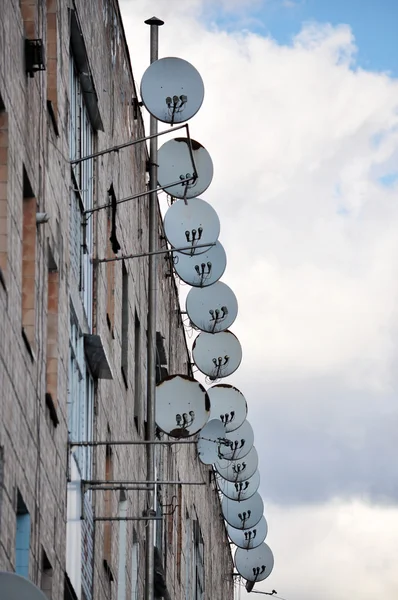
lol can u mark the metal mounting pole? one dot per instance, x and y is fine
(154, 24)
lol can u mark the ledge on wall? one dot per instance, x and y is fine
(96, 357)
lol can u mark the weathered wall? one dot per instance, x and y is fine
(34, 450)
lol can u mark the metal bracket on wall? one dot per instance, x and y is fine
(128, 518)
(143, 254)
(129, 443)
(77, 161)
(146, 193)
(104, 484)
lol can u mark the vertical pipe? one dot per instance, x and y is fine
(121, 578)
(154, 24)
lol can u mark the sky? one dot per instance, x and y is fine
(301, 119)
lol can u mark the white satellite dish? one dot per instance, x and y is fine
(249, 538)
(217, 355)
(181, 159)
(239, 490)
(16, 587)
(238, 470)
(182, 406)
(208, 441)
(238, 443)
(227, 404)
(245, 514)
(203, 270)
(172, 90)
(191, 223)
(256, 564)
(212, 309)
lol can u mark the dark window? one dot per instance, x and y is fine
(22, 538)
(137, 373)
(125, 324)
(46, 583)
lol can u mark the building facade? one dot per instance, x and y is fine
(73, 349)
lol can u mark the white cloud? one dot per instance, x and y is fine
(309, 230)
(337, 551)
(300, 138)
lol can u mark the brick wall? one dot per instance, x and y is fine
(33, 442)
(3, 188)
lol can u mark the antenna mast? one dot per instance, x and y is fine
(154, 24)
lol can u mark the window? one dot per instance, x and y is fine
(69, 592)
(137, 373)
(80, 399)
(188, 563)
(52, 339)
(51, 59)
(80, 425)
(3, 187)
(22, 538)
(194, 560)
(121, 578)
(135, 559)
(28, 263)
(46, 575)
(1, 478)
(81, 229)
(199, 570)
(108, 507)
(161, 358)
(179, 532)
(159, 525)
(125, 324)
(110, 277)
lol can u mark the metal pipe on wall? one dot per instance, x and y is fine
(154, 24)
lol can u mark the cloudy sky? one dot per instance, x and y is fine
(301, 119)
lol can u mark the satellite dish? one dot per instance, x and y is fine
(239, 490)
(238, 470)
(249, 538)
(191, 223)
(238, 443)
(203, 270)
(217, 355)
(256, 564)
(245, 514)
(227, 404)
(172, 90)
(212, 309)
(182, 406)
(184, 158)
(208, 441)
(16, 587)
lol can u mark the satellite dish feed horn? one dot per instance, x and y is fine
(172, 90)
(192, 223)
(182, 406)
(227, 403)
(185, 160)
(254, 564)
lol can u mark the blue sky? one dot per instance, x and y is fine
(374, 24)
